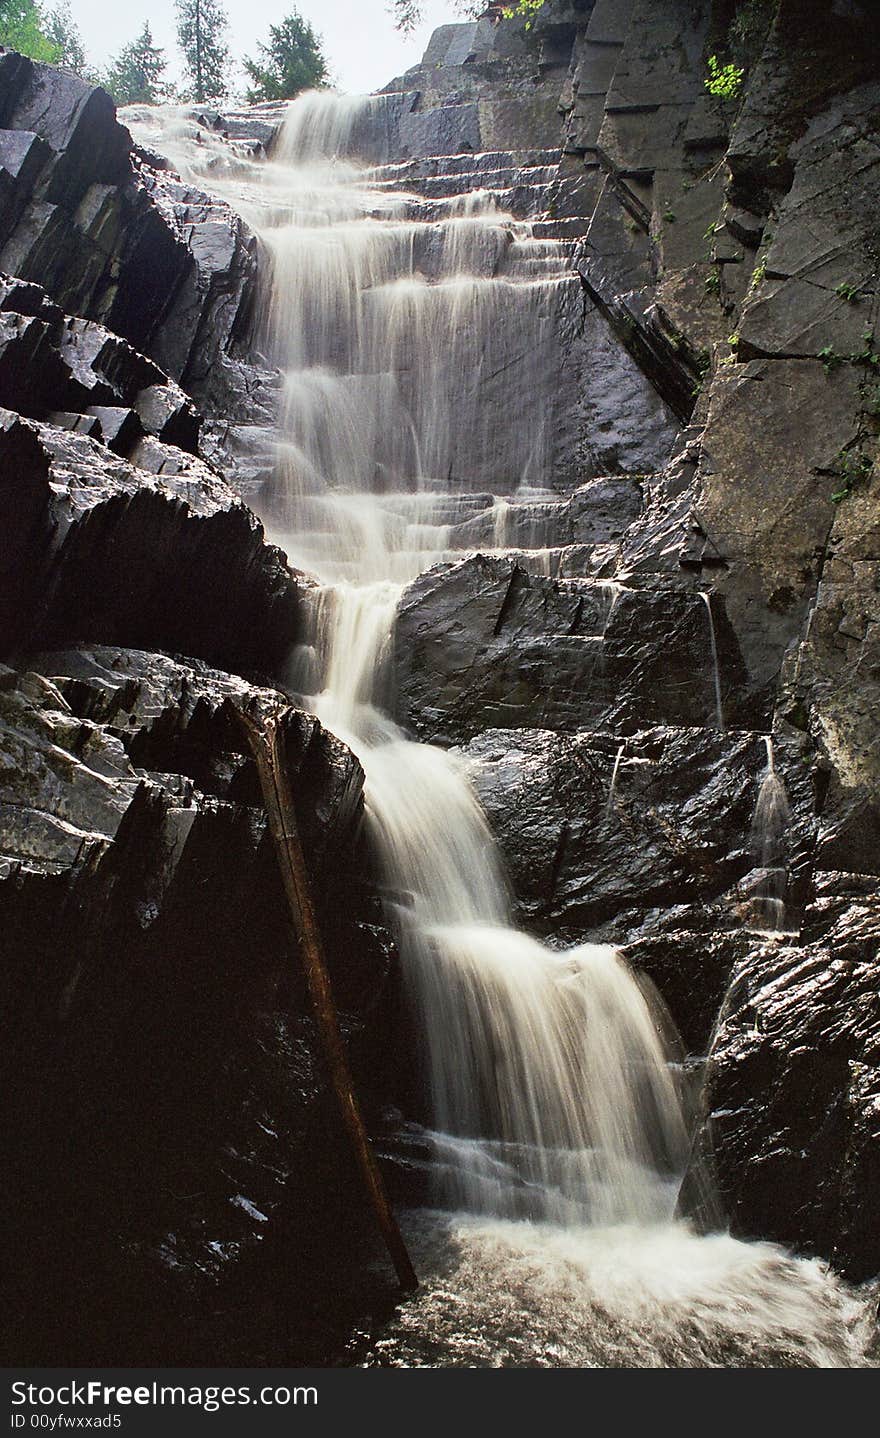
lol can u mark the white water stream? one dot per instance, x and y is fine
(559, 1130)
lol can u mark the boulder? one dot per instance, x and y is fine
(95, 547)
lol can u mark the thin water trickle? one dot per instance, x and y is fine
(768, 882)
(559, 1130)
(716, 672)
(609, 807)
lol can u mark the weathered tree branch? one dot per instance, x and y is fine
(265, 735)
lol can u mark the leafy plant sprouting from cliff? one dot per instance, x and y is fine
(723, 81)
(409, 14)
(739, 49)
(853, 468)
(528, 9)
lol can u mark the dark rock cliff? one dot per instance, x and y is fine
(170, 1156)
(171, 1152)
(729, 245)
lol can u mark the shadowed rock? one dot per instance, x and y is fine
(96, 547)
(159, 1071)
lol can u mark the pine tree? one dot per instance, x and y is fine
(135, 76)
(201, 32)
(61, 29)
(292, 61)
(22, 28)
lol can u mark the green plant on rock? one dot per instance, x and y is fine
(669, 216)
(712, 282)
(871, 398)
(527, 10)
(847, 291)
(853, 469)
(723, 81)
(831, 360)
(868, 355)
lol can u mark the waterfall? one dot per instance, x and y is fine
(551, 1090)
(769, 844)
(609, 807)
(557, 1124)
(716, 673)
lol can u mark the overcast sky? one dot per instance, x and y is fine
(363, 48)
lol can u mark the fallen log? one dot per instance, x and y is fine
(265, 736)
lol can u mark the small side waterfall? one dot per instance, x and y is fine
(716, 672)
(769, 846)
(609, 807)
(558, 1127)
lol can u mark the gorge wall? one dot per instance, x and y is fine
(729, 248)
(713, 418)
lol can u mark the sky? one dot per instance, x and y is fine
(363, 49)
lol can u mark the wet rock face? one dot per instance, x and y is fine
(793, 1082)
(130, 821)
(675, 826)
(730, 250)
(79, 375)
(485, 644)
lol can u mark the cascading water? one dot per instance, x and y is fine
(526, 1047)
(769, 844)
(559, 1130)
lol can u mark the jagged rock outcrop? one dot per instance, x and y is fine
(81, 376)
(97, 548)
(108, 235)
(160, 1076)
(169, 1148)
